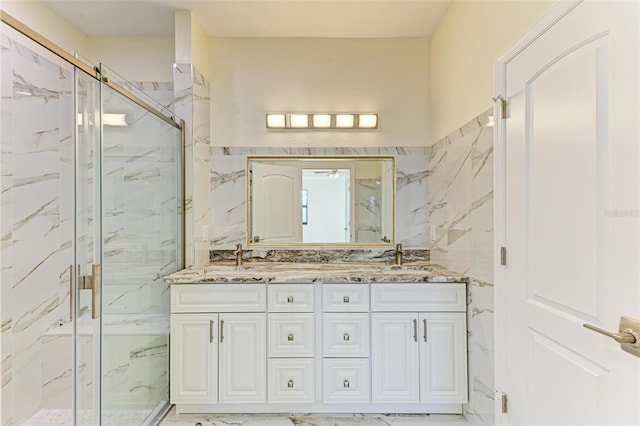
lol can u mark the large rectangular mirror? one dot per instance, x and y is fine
(311, 200)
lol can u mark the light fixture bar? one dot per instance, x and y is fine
(322, 121)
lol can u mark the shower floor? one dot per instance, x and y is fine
(62, 417)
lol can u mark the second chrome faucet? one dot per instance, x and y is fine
(399, 254)
(238, 254)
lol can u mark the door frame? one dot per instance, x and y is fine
(501, 343)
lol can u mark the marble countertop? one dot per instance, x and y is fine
(307, 272)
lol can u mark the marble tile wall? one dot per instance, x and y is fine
(140, 167)
(367, 214)
(37, 229)
(228, 190)
(192, 94)
(35, 220)
(140, 197)
(461, 208)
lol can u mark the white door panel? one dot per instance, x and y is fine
(277, 203)
(571, 209)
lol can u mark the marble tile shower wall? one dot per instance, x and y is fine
(36, 226)
(228, 190)
(461, 207)
(139, 202)
(368, 211)
(140, 198)
(192, 103)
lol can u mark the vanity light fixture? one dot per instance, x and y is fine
(276, 121)
(367, 121)
(322, 121)
(311, 121)
(115, 120)
(345, 121)
(299, 121)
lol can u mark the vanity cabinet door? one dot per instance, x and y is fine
(194, 358)
(394, 357)
(443, 361)
(243, 358)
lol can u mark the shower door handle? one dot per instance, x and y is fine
(71, 299)
(91, 282)
(96, 274)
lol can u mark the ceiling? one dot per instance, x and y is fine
(257, 18)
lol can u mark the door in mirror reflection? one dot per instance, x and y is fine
(277, 202)
(326, 205)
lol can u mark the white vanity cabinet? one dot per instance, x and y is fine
(345, 343)
(194, 358)
(218, 343)
(291, 343)
(418, 343)
(319, 347)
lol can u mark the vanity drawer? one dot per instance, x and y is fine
(218, 298)
(290, 297)
(345, 380)
(291, 380)
(450, 297)
(345, 297)
(345, 335)
(291, 335)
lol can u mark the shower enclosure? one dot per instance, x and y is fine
(90, 221)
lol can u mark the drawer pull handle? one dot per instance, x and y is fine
(345, 337)
(415, 330)
(345, 384)
(290, 383)
(290, 299)
(345, 299)
(210, 331)
(221, 331)
(290, 337)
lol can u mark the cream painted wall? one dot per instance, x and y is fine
(199, 48)
(191, 42)
(470, 36)
(250, 77)
(47, 23)
(134, 58)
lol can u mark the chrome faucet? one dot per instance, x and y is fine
(238, 253)
(399, 254)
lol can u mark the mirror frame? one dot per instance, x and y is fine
(247, 229)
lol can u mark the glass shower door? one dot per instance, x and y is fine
(87, 245)
(140, 242)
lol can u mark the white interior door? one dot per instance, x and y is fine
(571, 220)
(277, 203)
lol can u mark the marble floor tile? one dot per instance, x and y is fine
(173, 419)
(64, 417)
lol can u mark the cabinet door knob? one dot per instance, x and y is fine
(345, 384)
(290, 383)
(345, 299)
(345, 337)
(290, 299)
(290, 337)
